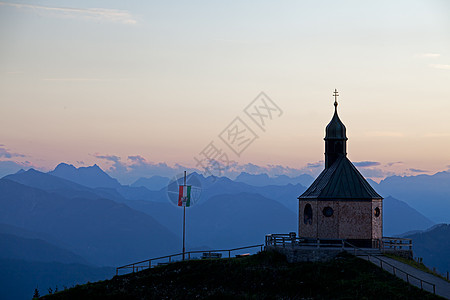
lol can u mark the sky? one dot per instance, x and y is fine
(146, 87)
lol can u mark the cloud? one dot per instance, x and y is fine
(315, 165)
(113, 158)
(95, 14)
(117, 165)
(248, 168)
(137, 159)
(367, 169)
(417, 170)
(390, 164)
(141, 167)
(136, 166)
(366, 164)
(427, 55)
(440, 66)
(234, 169)
(4, 152)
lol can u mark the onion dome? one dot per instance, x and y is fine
(335, 129)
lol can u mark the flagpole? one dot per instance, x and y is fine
(184, 217)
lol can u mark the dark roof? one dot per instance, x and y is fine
(340, 181)
(335, 129)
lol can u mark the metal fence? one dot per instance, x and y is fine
(162, 260)
(363, 252)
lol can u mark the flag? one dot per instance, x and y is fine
(184, 195)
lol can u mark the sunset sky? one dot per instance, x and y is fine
(133, 84)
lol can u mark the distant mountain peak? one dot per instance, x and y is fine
(65, 166)
(91, 176)
(20, 171)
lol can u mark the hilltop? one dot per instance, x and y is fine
(266, 275)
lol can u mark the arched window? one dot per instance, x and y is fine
(307, 214)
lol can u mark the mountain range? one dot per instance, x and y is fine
(82, 219)
(91, 176)
(429, 194)
(399, 217)
(154, 183)
(433, 245)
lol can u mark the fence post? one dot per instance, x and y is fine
(407, 278)
(421, 284)
(434, 289)
(117, 271)
(229, 254)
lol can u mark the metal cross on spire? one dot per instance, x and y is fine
(335, 94)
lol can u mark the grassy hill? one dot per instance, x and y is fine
(266, 275)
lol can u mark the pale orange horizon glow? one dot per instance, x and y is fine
(162, 81)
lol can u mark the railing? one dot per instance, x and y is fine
(149, 263)
(284, 239)
(393, 243)
(290, 240)
(394, 268)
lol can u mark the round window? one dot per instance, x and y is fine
(328, 211)
(376, 212)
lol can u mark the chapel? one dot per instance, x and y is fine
(340, 203)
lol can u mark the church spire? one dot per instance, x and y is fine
(335, 137)
(335, 94)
